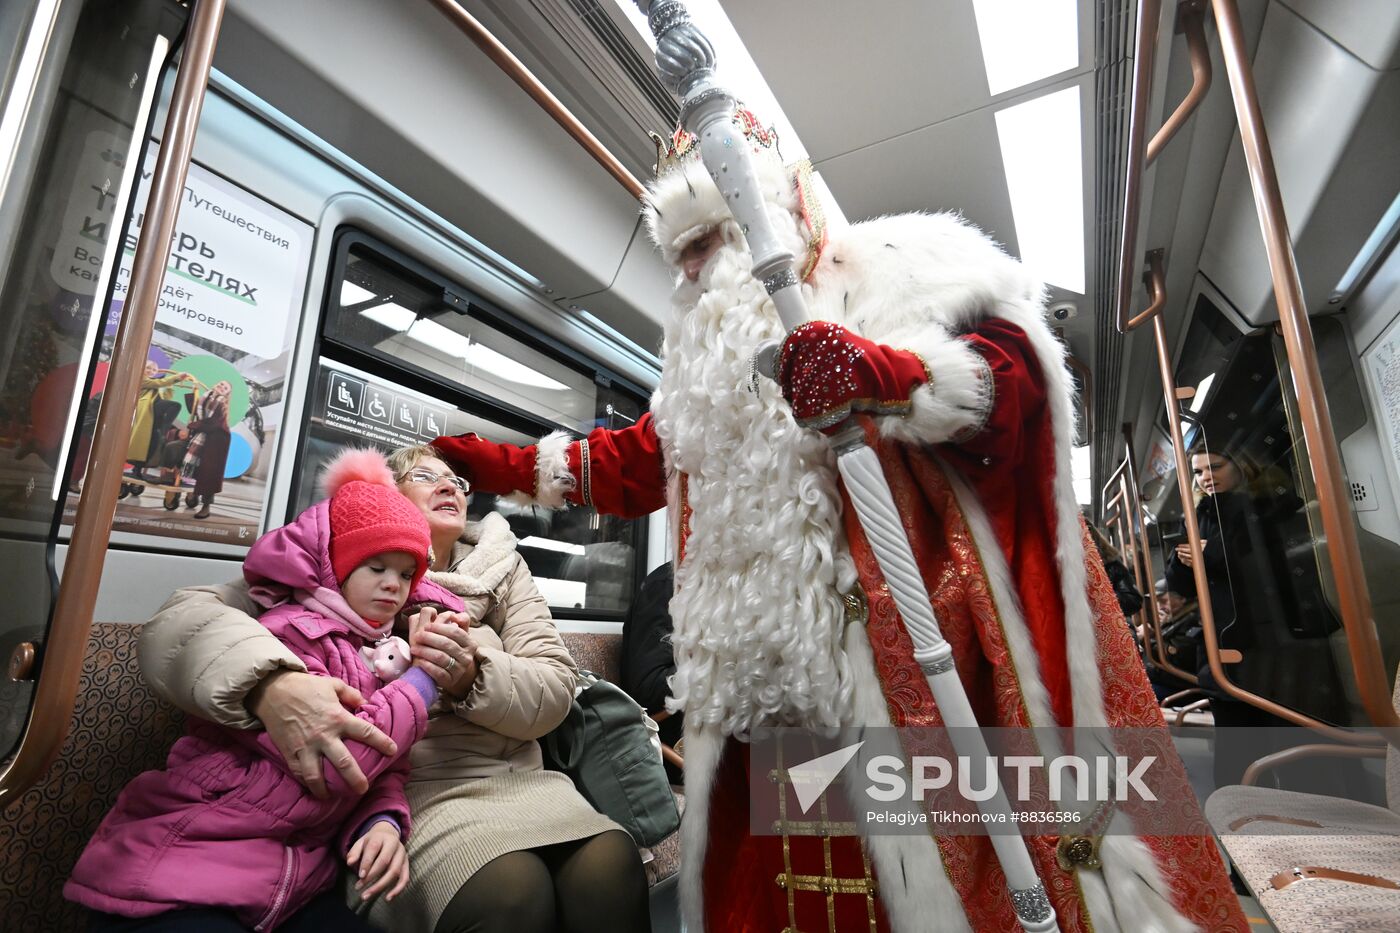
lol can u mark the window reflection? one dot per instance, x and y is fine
(1265, 574)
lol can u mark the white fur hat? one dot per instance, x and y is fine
(682, 202)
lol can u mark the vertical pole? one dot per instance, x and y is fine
(1333, 501)
(87, 550)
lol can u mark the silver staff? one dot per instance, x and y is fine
(686, 61)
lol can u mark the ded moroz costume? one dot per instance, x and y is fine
(781, 615)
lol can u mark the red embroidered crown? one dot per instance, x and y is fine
(683, 145)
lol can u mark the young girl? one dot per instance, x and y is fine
(226, 838)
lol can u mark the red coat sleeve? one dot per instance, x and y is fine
(620, 472)
(616, 472)
(1019, 400)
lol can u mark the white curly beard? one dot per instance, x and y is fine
(758, 615)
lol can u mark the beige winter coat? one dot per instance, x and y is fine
(478, 789)
(204, 653)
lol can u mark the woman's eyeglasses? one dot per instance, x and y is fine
(423, 477)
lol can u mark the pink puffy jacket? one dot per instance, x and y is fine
(226, 825)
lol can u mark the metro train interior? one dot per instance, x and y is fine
(398, 224)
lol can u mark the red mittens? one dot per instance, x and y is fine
(499, 469)
(827, 372)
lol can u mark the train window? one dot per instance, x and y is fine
(1268, 570)
(407, 356)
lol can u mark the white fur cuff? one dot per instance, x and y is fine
(956, 404)
(553, 481)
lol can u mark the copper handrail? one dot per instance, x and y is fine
(1363, 642)
(1189, 708)
(1133, 551)
(67, 639)
(1191, 17)
(1297, 752)
(1145, 50)
(1155, 620)
(1159, 292)
(1113, 478)
(515, 69)
(1180, 695)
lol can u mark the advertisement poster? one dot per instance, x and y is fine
(1382, 362)
(210, 407)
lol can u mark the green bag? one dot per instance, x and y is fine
(604, 745)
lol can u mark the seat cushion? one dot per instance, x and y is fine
(119, 729)
(1350, 836)
(666, 855)
(599, 653)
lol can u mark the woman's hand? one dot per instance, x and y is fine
(444, 648)
(382, 862)
(308, 718)
(1183, 552)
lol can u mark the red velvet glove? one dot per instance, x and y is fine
(827, 372)
(499, 469)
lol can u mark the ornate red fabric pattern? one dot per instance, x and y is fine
(953, 571)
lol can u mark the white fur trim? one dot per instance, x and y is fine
(914, 884)
(684, 203)
(892, 280)
(703, 747)
(481, 559)
(552, 477)
(956, 404)
(1130, 895)
(1008, 603)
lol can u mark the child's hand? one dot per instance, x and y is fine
(421, 620)
(447, 653)
(382, 862)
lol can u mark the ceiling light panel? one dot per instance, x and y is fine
(1024, 41)
(1042, 156)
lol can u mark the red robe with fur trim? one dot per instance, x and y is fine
(1008, 466)
(979, 468)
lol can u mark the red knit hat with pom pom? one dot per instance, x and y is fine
(370, 516)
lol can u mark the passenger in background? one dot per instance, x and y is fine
(1180, 626)
(226, 839)
(1259, 608)
(647, 657)
(499, 844)
(1124, 586)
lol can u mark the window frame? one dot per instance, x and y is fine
(400, 372)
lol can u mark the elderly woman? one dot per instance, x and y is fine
(497, 843)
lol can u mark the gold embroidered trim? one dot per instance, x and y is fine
(989, 390)
(813, 215)
(822, 827)
(825, 884)
(787, 841)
